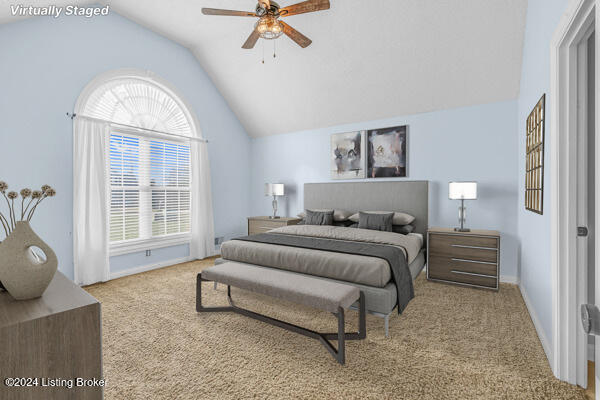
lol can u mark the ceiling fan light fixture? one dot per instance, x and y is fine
(269, 28)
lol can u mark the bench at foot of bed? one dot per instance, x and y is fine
(301, 289)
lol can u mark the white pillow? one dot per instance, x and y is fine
(398, 219)
(338, 215)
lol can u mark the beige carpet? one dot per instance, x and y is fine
(450, 343)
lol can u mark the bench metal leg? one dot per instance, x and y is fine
(341, 351)
(199, 306)
(341, 335)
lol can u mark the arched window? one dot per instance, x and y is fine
(138, 102)
(149, 172)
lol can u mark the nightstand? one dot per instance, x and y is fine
(264, 224)
(464, 258)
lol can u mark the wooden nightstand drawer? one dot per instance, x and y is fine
(462, 241)
(448, 264)
(265, 224)
(470, 248)
(466, 278)
(469, 258)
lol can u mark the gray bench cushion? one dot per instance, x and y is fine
(297, 288)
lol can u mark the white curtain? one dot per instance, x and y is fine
(90, 201)
(203, 230)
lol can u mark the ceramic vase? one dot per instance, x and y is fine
(24, 275)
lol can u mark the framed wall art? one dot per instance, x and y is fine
(347, 155)
(534, 164)
(387, 152)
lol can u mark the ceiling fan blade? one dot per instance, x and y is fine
(296, 36)
(232, 13)
(252, 39)
(305, 7)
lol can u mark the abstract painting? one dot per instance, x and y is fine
(387, 152)
(347, 155)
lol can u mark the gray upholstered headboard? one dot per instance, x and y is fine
(411, 197)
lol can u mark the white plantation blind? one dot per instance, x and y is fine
(150, 181)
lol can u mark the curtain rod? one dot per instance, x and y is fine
(73, 116)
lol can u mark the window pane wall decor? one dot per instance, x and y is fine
(534, 165)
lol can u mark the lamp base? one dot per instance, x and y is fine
(274, 217)
(462, 230)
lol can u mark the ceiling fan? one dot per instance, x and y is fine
(268, 25)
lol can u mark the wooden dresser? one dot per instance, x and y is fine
(264, 224)
(57, 336)
(465, 258)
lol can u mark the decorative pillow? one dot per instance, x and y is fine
(377, 222)
(338, 215)
(318, 218)
(341, 215)
(399, 218)
(403, 229)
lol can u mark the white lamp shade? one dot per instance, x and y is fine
(462, 190)
(274, 189)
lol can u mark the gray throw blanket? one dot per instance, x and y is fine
(393, 255)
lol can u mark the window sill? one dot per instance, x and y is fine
(119, 249)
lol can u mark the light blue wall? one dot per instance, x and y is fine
(473, 143)
(45, 65)
(133, 260)
(534, 229)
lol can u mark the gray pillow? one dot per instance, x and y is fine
(403, 229)
(318, 217)
(399, 217)
(377, 222)
(338, 215)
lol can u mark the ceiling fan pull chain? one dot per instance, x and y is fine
(263, 47)
(274, 48)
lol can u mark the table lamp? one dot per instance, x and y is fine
(462, 191)
(274, 189)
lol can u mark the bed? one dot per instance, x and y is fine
(381, 264)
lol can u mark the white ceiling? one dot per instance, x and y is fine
(369, 59)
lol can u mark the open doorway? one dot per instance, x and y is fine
(574, 190)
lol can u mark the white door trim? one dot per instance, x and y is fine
(582, 200)
(577, 19)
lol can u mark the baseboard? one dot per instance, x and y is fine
(538, 326)
(145, 268)
(509, 279)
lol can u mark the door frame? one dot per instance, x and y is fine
(569, 355)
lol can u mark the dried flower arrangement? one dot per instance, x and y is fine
(30, 200)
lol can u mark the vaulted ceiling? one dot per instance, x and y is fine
(368, 60)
